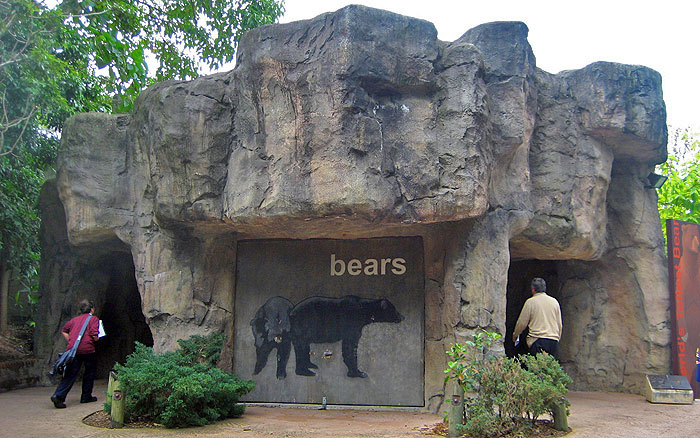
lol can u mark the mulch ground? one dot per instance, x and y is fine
(541, 429)
(101, 419)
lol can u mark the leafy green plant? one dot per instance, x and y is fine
(177, 388)
(465, 358)
(503, 393)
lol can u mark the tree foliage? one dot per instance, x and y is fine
(92, 55)
(44, 78)
(179, 36)
(679, 197)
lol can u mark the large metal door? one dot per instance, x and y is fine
(341, 319)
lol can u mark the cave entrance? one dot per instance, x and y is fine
(121, 314)
(520, 274)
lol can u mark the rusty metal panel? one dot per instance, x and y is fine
(683, 240)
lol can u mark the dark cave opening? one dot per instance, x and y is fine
(121, 315)
(520, 274)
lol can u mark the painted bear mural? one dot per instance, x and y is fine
(271, 329)
(318, 320)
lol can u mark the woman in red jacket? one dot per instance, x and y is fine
(84, 355)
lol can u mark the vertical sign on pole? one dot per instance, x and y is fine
(684, 284)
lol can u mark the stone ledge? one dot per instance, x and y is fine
(19, 373)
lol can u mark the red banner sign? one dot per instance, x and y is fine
(684, 283)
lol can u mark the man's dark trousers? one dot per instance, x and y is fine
(90, 361)
(542, 344)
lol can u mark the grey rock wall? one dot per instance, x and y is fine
(361, 123)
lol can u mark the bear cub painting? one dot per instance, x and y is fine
(271, 329)
(315, 320)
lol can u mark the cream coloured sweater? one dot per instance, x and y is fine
(542, 315)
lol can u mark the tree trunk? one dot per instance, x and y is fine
(4, 292)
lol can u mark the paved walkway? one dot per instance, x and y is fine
(28, 413)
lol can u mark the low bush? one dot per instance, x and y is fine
(202, 349)
(502, 393)
(180, 388)
(546, 382)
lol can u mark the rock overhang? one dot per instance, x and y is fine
(364, 113)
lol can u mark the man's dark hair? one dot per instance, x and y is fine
(538, 285)
(85, 306)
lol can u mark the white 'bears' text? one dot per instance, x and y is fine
(396, 266)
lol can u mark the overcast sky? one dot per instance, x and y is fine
(567, 35)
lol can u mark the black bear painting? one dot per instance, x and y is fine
(316, 320)
(272, 329)
(345, 319)
(319, 320)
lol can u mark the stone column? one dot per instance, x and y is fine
(616, 309)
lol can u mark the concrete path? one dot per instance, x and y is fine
(28, 413)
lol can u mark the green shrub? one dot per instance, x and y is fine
(501, 384)
(546, 383)
(480, 420)
(178, 388)
(503, 392)
(202, 349)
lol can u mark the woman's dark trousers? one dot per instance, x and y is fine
(90, 361)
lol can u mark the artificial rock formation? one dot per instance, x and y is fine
(361, 123)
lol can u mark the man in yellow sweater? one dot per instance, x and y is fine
(542, 316)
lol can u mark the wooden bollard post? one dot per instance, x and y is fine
(561, 421)
(455, 413)
(117, 414)
(110, 383)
